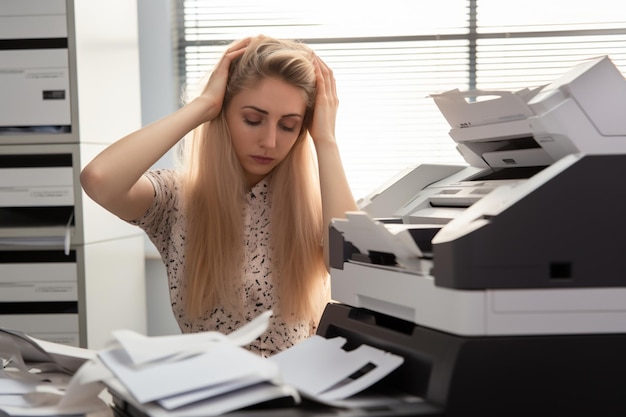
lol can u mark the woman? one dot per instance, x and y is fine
(242, 225)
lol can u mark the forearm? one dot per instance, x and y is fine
(110, 176)
(337, 196)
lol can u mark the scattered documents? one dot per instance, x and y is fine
(200, 374)
(36, 378)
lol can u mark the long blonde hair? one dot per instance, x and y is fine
(214, 187)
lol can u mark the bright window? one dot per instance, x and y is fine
(388, 57)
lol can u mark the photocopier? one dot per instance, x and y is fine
(501, 282)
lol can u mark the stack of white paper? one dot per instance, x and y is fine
(200, 374)
(193, 374)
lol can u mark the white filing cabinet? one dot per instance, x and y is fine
(70, 272)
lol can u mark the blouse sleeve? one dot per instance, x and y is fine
(157, 221)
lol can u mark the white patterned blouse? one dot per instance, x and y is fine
(164, 223)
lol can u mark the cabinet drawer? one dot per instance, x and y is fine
(32, 276)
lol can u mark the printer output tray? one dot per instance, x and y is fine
(572, 375)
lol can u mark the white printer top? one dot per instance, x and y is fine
(582, 111)
(509, 136)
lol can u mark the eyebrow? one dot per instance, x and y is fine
(266, 112)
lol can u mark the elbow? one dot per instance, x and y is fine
(92, 182)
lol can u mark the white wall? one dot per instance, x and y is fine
(159, 97)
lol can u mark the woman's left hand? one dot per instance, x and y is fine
(336, 194)
(326, 103)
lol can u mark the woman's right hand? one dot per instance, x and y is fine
(215, 88)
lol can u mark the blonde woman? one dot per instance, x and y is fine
(242, 225)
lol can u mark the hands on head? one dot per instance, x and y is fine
(322, 127)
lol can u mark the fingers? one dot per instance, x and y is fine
(220, 72)
(215, 87)
(326, 86)
(238, 46)
(235, 50)
(323, 71)
(326, 103)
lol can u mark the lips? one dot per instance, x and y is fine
(262, 159)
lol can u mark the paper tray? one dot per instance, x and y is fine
(464, 109)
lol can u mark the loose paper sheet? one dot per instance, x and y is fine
(320, 369)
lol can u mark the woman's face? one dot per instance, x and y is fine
(264, 123)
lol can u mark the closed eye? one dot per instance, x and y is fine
(252, 122)
(258, 122)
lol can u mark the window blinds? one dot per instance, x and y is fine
(389, 56)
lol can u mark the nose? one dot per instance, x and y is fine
(268, 138)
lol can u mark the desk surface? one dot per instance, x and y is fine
(305, 409)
